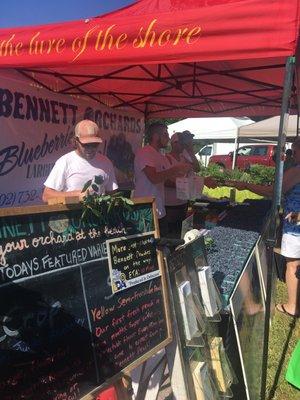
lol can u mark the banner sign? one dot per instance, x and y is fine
(159, 31)
(37, 128)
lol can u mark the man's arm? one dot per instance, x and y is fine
(52, 194)
(290, 178)
(262, 190)
(156, 177)
(56, 179)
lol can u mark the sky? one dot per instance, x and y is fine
(34, 12)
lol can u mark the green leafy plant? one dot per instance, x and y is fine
(258, 174)
(105, 207)
(261, 174)
(214, 171)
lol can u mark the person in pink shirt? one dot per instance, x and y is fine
(152, 169)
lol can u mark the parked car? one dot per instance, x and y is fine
(262, 154)
(204, 154)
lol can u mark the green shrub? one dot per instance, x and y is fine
(212, 170)
(258, 174)
(261, 175)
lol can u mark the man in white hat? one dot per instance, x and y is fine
(74, 169)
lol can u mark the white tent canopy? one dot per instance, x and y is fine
(268, 128)
(210, 128)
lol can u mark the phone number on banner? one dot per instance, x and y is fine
(20, 198)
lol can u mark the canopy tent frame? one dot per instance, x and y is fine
(138, 101)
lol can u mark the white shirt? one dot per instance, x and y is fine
(71, 172)
(150, 157)
(170, 192)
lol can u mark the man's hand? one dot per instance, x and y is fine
(50, 194)
(172, 173)
(180, 170)
(82, 195)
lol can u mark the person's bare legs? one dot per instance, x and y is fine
(251, 307)
(293, 286)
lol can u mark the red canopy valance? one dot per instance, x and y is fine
(166, 57)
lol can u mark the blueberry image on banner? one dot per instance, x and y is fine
(120, 152)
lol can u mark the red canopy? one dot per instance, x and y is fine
(166, 57)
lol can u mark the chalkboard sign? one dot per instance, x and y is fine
(132, 260)
(63, 332)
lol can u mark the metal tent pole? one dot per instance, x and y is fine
(289, 71)
(236, 145)
(288, 80)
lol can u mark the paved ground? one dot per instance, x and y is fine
(165, 392)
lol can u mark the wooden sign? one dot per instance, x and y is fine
(63, 332)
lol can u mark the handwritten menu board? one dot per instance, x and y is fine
(63, 331)
(132, 260)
